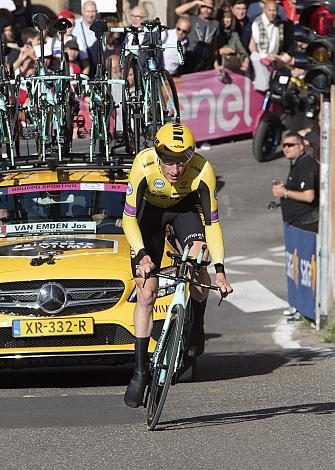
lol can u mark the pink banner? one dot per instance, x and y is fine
(213, 109)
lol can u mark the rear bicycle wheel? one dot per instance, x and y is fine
(152, 111)
(163, 372)
(132, 118)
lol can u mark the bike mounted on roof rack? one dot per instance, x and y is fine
(52, 108)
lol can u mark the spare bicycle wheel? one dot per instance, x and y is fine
(132, 117)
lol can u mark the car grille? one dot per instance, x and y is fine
(104, 334)
(82, 296)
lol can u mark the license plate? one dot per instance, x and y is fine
(52, 327)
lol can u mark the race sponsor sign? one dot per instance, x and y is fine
(300, 256)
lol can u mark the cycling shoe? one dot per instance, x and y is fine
(135, 390)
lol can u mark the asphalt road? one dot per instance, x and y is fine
(264, 393)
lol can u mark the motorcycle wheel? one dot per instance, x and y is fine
(266, 139)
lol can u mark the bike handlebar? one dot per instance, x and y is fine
(185, 279)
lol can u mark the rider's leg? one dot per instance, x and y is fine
(188, 225)
(143, 325)
(150, 223)
(199, 297)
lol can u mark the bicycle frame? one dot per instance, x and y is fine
(48, 99)
(180, 297)
(155, 101)
(8, 102)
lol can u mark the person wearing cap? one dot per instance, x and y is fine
(170, 184)
(56, 42)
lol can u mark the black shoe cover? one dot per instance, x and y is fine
(196, 345)
(135, 390)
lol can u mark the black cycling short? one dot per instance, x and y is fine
(186, 218)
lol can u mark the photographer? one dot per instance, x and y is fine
(299, 197)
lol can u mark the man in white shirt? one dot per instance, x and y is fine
(179, 33)
(105, 7)
(266, 44)
(81, 28)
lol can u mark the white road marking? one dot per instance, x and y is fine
(258, 262)
(252, 296)
(283, 335)
(231, 259)
(277, 248)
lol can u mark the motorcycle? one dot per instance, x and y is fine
(288, 105)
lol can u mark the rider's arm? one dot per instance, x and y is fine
(134, 198)
(213, 231)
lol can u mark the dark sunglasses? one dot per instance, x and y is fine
(183, 30)
(289, 144)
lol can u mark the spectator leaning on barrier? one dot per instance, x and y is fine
(266, 44)
(243, 25)
(299, 197)
(171, 36)
(203, 36)
(231, 53)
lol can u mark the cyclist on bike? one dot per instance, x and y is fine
(170, 184)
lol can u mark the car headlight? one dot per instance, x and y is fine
(165, 286)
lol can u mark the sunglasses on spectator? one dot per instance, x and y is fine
(207, 6)
(290, 144)
(183, 30)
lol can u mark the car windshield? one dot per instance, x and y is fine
(62, 208)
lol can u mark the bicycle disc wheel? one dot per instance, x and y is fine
(160, 385)
(131, 112)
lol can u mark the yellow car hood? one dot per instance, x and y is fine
(77, 256)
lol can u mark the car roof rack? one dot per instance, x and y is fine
(118, 166)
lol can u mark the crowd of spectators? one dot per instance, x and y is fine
(240, 35)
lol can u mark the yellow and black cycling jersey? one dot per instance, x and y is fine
(147, 182)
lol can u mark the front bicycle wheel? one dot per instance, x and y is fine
(164, 370)
(168, 97)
